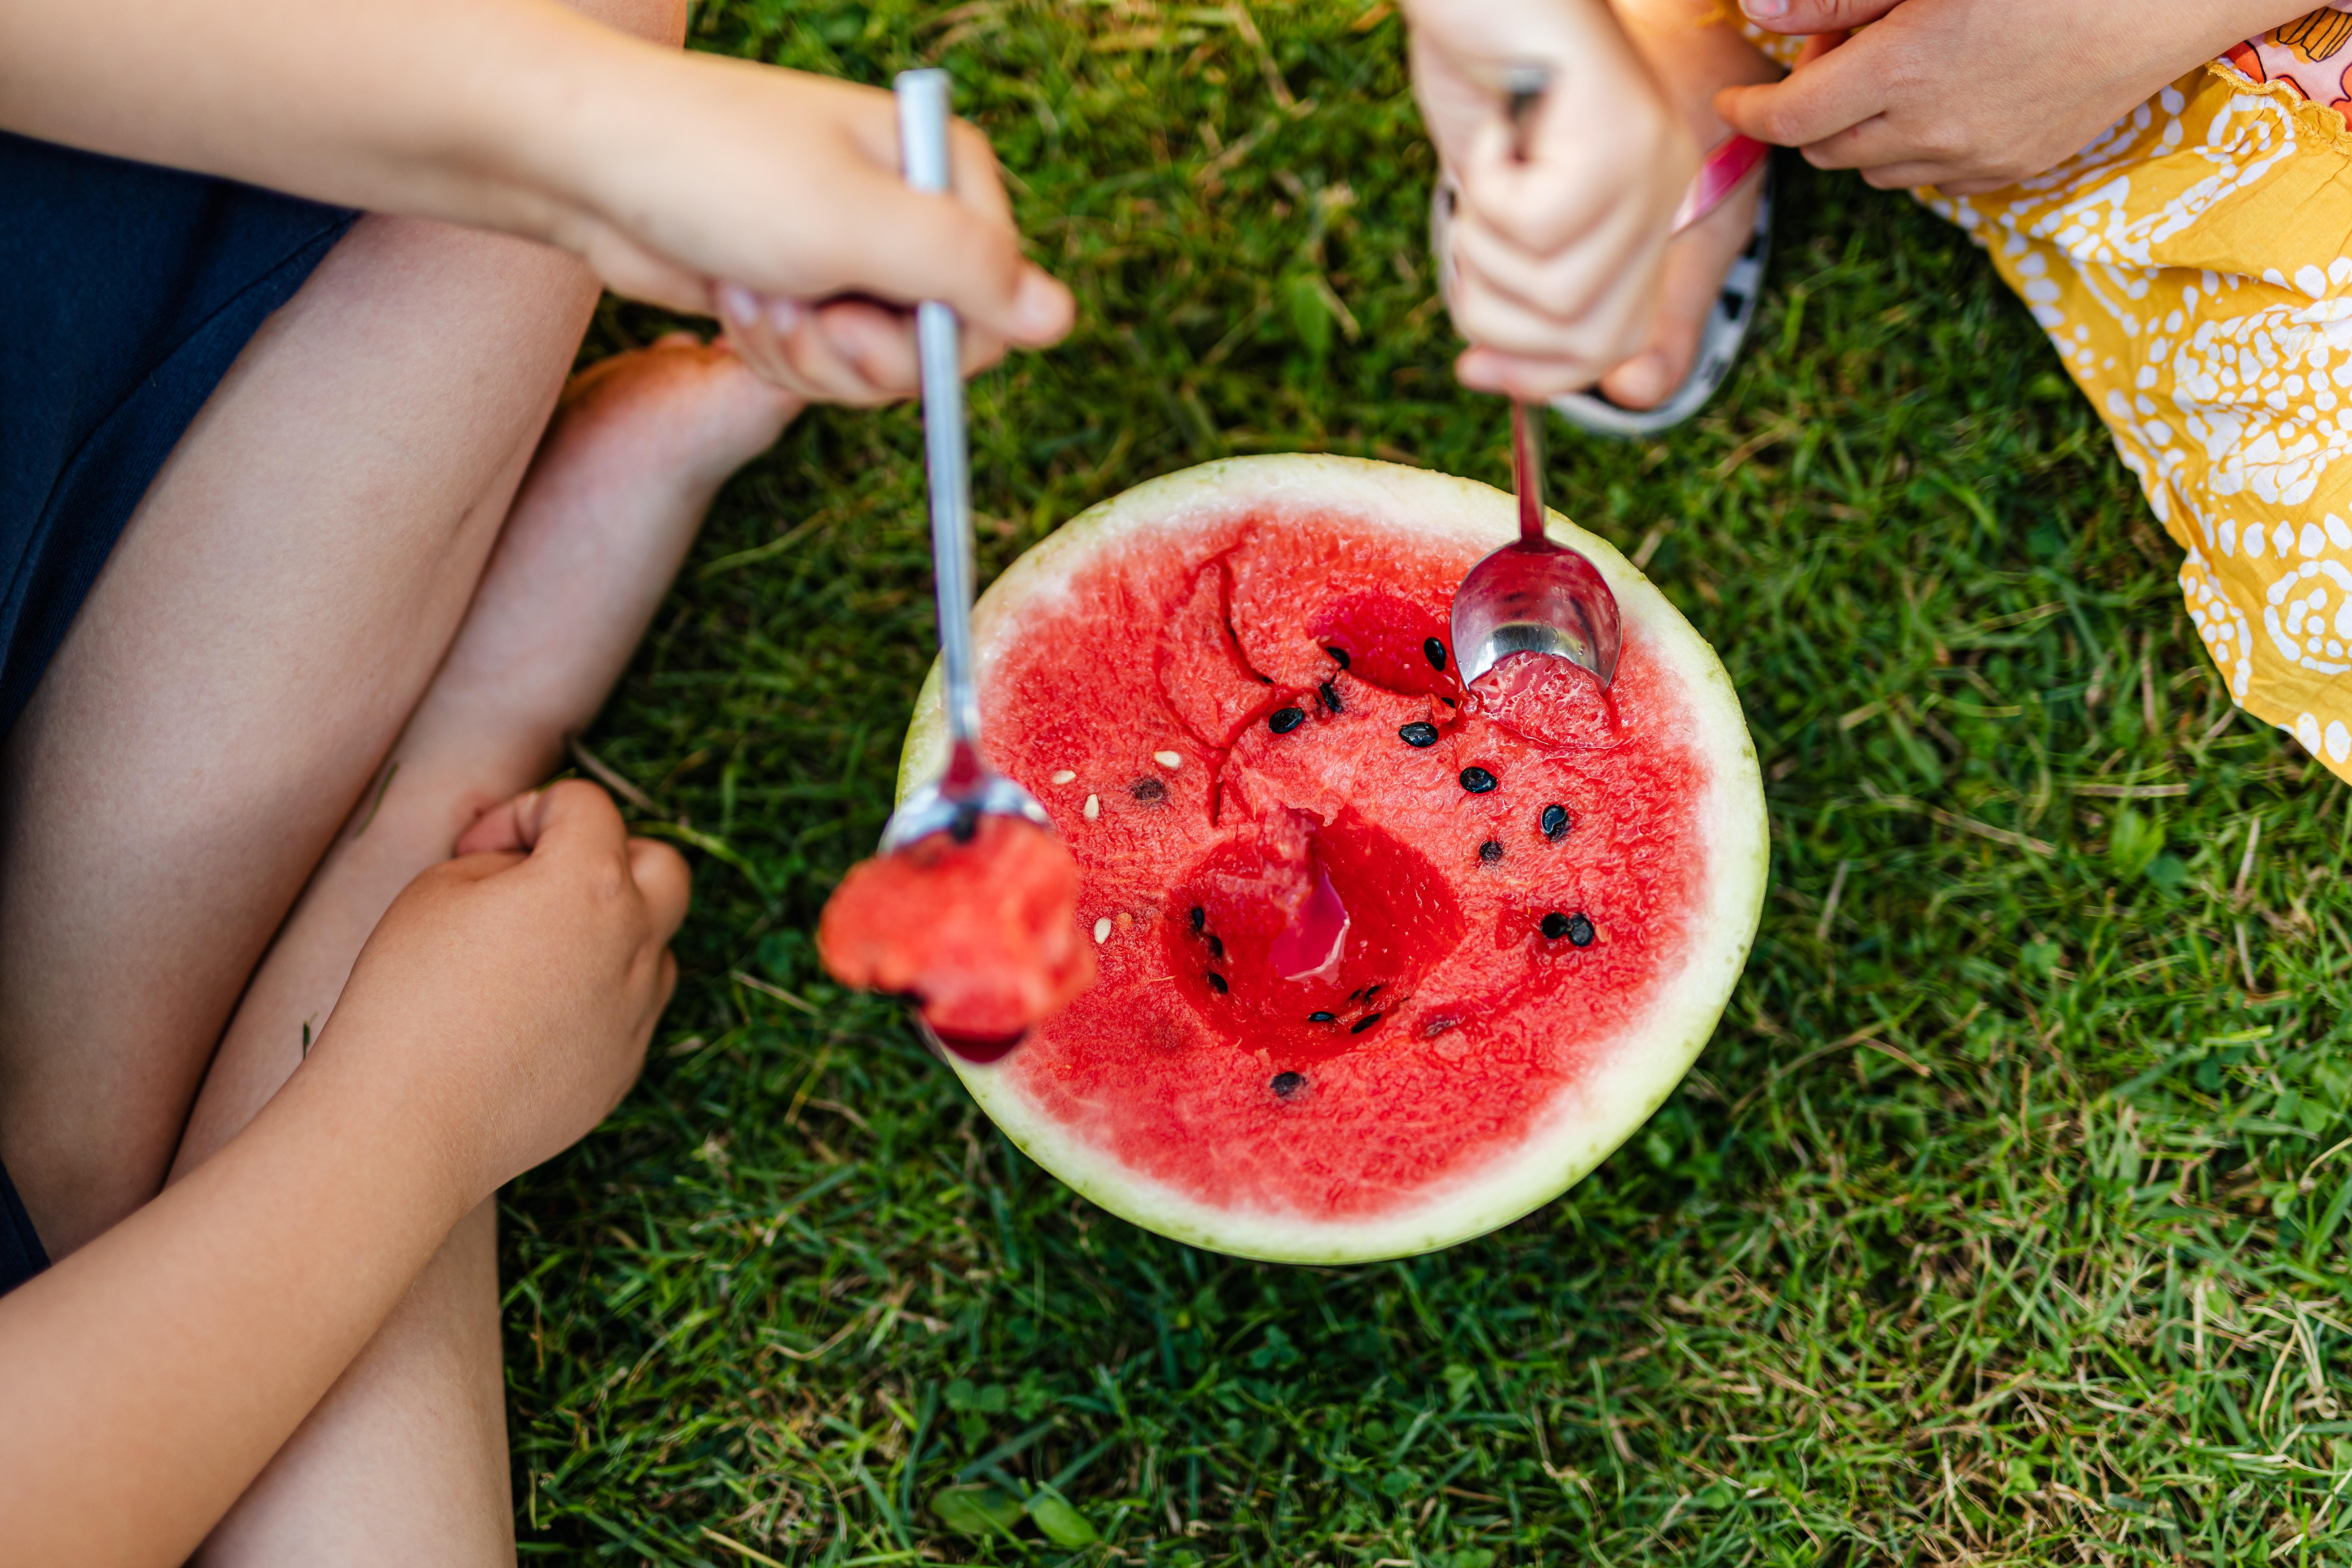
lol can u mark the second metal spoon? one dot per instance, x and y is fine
(1533, 596)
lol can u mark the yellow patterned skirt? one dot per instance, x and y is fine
(2193, 267)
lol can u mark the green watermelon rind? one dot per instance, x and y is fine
(1586, 1124)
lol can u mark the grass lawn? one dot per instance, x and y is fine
(2004, 1220)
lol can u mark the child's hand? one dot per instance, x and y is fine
(1973, 95)
(1557, 259)
(509, 993)
(795, 226)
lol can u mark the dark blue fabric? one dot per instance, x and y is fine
(21, 1255)
(126, 290)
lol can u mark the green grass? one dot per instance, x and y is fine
(2002, 1221)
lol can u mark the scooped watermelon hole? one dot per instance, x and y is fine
(1384, 640)
(1307, 926)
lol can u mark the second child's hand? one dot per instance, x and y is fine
(1972, 95)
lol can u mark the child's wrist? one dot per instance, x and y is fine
(364, 1080)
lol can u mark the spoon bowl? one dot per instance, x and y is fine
(1534, 596)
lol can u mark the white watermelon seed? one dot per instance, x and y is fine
(1064, 775)
(1102, 930)
(1168, 758)
(1094, 807)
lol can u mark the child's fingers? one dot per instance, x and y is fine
(875, 344)
(1528, 378)
(814, 353)
(1580, 351)
(664, 882)
(786, 346)
(569, 818)
(1808, 107)
(1570, 288)
(502, 830)
(1803, 17)
(925, 247)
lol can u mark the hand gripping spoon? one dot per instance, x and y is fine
(1533, 596)
(968, 790)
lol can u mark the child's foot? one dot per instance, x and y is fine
(638, 448)
(1696, 54)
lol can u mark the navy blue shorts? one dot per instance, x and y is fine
(126, 291)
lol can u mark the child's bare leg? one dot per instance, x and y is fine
(273, 611)
(1696, 54)
(406, 1459)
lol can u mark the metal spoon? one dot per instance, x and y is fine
(1533, 596)
(969, 789)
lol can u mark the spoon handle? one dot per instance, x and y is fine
(1524, 88)
(1527, 469)
(922, 98)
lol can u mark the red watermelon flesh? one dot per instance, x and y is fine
(1383, 962)
(978, 930)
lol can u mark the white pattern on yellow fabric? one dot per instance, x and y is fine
(2190, 267)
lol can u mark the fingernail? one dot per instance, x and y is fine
(784, 315)
(1765, 10)
(735, 304)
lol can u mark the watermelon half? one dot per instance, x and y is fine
(1384, 965)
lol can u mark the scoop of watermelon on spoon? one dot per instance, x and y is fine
(1532, 595)
(971, 906)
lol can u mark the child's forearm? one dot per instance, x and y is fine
(149, 1378)
(451, 108)
(667, 173)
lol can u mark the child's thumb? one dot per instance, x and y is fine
(1802, 16)
(943, 248)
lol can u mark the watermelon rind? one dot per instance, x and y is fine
(1583, 1126)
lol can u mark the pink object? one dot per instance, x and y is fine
(1719, 174)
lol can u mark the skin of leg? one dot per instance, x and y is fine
(282, 596)
(1696, 54)
(405, 1460)
(280, 599)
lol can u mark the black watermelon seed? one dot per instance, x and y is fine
(1580, 930)
(1418, 734)
(1287, 1084)
(1554, 925)
(1322, 1017)
(1556, 822)
(1217, 982)
(1358, 995)
(1200, 919)
(1216, 947)
(1490, 852)
(1366, 1022)
(1265, 680)
(1436, 652)
(1331, 698)
(1148, 791)
(1339, 653)
(1477, 781)
(1285, 720)
(1370, 992)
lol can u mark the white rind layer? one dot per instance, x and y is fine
(1633, 1074)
